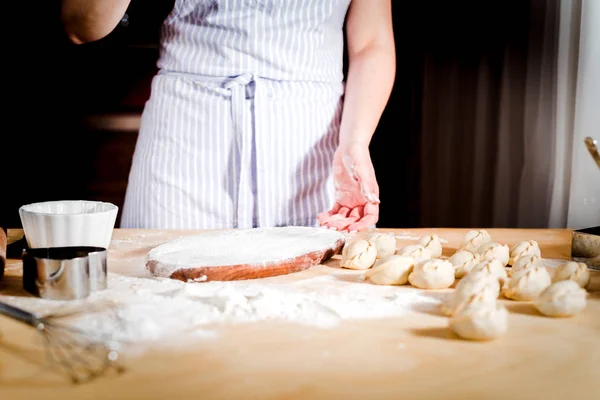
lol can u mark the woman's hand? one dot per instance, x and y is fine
(356, 191)
(371, 71)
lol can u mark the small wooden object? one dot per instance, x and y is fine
(585, 247)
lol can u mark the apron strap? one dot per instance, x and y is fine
(237, 86)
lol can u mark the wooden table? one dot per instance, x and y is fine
(412, 357)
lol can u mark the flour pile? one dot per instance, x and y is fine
(151, 310)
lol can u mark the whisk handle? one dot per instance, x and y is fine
(18, 314)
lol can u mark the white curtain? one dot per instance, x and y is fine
(504, 146)
(582, 115)
(555, 142)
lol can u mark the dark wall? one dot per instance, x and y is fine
(50, 153)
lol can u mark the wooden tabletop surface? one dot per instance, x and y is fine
(411, 357)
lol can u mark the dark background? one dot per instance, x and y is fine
(55, 92)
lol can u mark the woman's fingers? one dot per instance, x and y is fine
(340, 222)
(357, 219)
(335, 221)
(336, 207)
(339, 217)
(326, 215)
(369, 217)
(344, 211)
(357, 212)
(322, 218)
(364, 223)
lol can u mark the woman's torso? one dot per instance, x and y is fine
(292, 40)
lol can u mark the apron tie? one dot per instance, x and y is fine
(237, 86)
(235, 89)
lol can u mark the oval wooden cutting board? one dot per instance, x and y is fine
(243, 253)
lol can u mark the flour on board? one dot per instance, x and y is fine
(234, 247)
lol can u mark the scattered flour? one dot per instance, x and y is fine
(146, 312)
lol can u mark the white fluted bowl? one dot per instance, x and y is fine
(68, 223)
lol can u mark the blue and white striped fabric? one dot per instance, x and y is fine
(243, 117)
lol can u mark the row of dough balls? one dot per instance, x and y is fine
(420, 265)
(482, 266)
(474, 310)
(488, 269)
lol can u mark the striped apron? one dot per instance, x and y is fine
(243, 117)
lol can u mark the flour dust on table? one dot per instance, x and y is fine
(161, 312)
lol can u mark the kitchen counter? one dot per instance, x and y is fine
(414, 356)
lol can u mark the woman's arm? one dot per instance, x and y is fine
(371, 72)
(91, 20)
(371, 69)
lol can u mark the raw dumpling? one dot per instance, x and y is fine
(475, 287)
(492, 267)
(494, 251)
(523, 248)
(432, 274)
(561, 299)
(474, 239)
(358, 254)
(433, 243)
(385, 243)
(527, 261)
(391, 270)
(480, 321)
(527, 284)
(463, 261)
(416, 251)
(574, 271)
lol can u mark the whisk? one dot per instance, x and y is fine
(76, 352)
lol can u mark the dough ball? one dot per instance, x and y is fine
(463, 261)
(474, 288)
(527, 284)
(474, 239)
(433, 243)
(523, 248)
(391, 270)
(385, 243)
(562, 299)
(495, 251)
(358, 254)
(480, 321)
(494, 268)
(526, 261)
(432, 274)
(416, 251)
(574, 271)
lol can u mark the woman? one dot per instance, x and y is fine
(250, 122)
